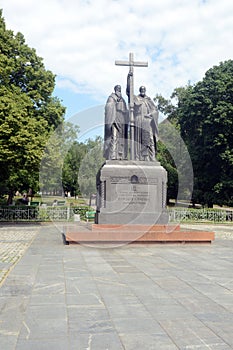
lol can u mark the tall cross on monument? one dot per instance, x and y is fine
(131, 63)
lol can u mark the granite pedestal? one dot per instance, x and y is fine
(131, 207)
(131, 192)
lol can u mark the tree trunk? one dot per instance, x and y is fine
(10, 197)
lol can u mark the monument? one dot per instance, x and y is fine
(131, 184)
(131, 191)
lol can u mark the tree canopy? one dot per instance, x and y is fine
(58, 148)
(81, 165)
(28, 111)
(204, 116)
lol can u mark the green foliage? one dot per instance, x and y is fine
(165, 106)
(204, 115)
(164, 157)
(81, 211)
(81, 164)
(71, 166)
(90, 166)
(55, 153)
(28, 111)
(174, 156)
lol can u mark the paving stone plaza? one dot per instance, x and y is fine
(138, 296)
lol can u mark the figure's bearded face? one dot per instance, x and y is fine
(142, 91)
(118, 92)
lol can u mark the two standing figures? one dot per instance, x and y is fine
(144, 123)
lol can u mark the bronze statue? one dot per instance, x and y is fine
(130, 88)
(142, 118)
(145, 126)
(116, 126)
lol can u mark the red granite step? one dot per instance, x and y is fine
(137, 233)
(138, 228)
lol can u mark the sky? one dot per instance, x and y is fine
(80, 40)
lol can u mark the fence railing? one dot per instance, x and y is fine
(27, 213)
(49, 213)
(200, 215)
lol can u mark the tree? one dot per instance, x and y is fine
(204, 114)
(81, 164)
(53, 159)
(72, 163)
(28, 112)
(90, 166)
(173, 155)
(164, 157)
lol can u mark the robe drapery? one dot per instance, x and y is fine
(146, 128)
(116, 128)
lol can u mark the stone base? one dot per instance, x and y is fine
(131, 192)
(136, 233)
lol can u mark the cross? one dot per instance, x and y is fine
(131, 63)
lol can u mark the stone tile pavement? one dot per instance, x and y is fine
(131, 297)
(13, 243)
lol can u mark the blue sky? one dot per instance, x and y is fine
(80, 40)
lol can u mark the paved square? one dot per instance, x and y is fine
(140, 296)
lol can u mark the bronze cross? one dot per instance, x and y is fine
(131, 63)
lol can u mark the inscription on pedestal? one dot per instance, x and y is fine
(133, 197)
(131, 179)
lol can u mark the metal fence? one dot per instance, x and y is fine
(18, 214)
(27, 213)
(36, 214)
(200, 215)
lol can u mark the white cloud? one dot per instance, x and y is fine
(80, 40)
